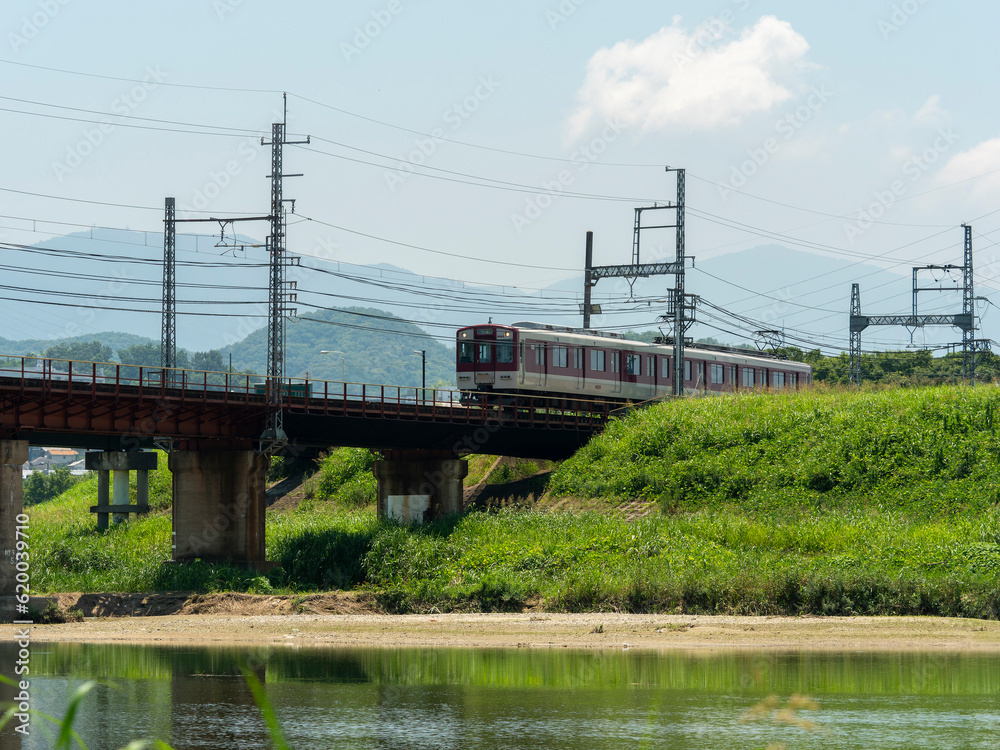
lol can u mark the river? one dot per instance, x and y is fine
(461, 699)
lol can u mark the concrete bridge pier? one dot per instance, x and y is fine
(420, 485)
(218, 506)
(13, 455)
(116, 465)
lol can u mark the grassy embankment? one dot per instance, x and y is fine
(827, 502)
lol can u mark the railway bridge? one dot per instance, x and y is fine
(210, 425)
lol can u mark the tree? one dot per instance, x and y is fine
(93, 351)
(210, 360)
(79, 351)
(144, 355)
(38, 488)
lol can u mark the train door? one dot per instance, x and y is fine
(486, 373)
(578, 367)
(651, 374)
(535, 363)
(616, 371)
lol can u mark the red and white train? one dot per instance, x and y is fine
(544, 360)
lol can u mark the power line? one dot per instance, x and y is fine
(107, 203)
(136, 80)
(435, 252)
(118, 124)
(501, 185)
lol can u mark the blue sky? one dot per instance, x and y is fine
(861, 131)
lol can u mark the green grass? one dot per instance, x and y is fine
(826, 503)
(922, 452)
(345, 478)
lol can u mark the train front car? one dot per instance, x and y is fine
(487, 361)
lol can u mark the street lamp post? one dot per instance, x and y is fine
(423, 372)
(342, 378)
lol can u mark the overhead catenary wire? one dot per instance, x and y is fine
(705, 215)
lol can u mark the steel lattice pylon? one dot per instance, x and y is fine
(965, 320)
(680, 309)
(854, 371)
(274, 437)
(168, 336)
(968, 308)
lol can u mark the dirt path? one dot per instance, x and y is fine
(340, 620)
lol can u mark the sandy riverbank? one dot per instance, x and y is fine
(343, 620)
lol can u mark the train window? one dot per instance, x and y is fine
(505, 353)
(577, 358)
(732, 374)
(717, 373)
(615, 361)
(466, 354)
(687, 369)
(748, 377)
(701, 372)
(559, 356)
(665, 367)
(778, 379)
(597, 360)
(793, 379)
(633, 364)
(539, 353)
(486, 353)
(651, 365)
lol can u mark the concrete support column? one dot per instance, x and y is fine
(13, 455)
(219, 505)
(119, 494)
(142, 487)
(116, 465)
(103, 497)
(419, 486)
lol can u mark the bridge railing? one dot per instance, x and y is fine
(298, 395)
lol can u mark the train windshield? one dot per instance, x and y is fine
(505, 353)
(466, 353)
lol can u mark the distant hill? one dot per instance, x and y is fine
(115, 339)
(377, 346)
(377, 349)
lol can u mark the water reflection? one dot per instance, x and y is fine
(461, 698)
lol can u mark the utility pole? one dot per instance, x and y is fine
(274, 436)
(423, 372)
(588, 282)
(168, 335)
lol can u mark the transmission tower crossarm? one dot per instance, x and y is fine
(860, 322)
(642, 270)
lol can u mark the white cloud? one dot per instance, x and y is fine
(932, 113)
(694, 80)
(978, 161)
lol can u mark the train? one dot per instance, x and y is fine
(576, 365)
